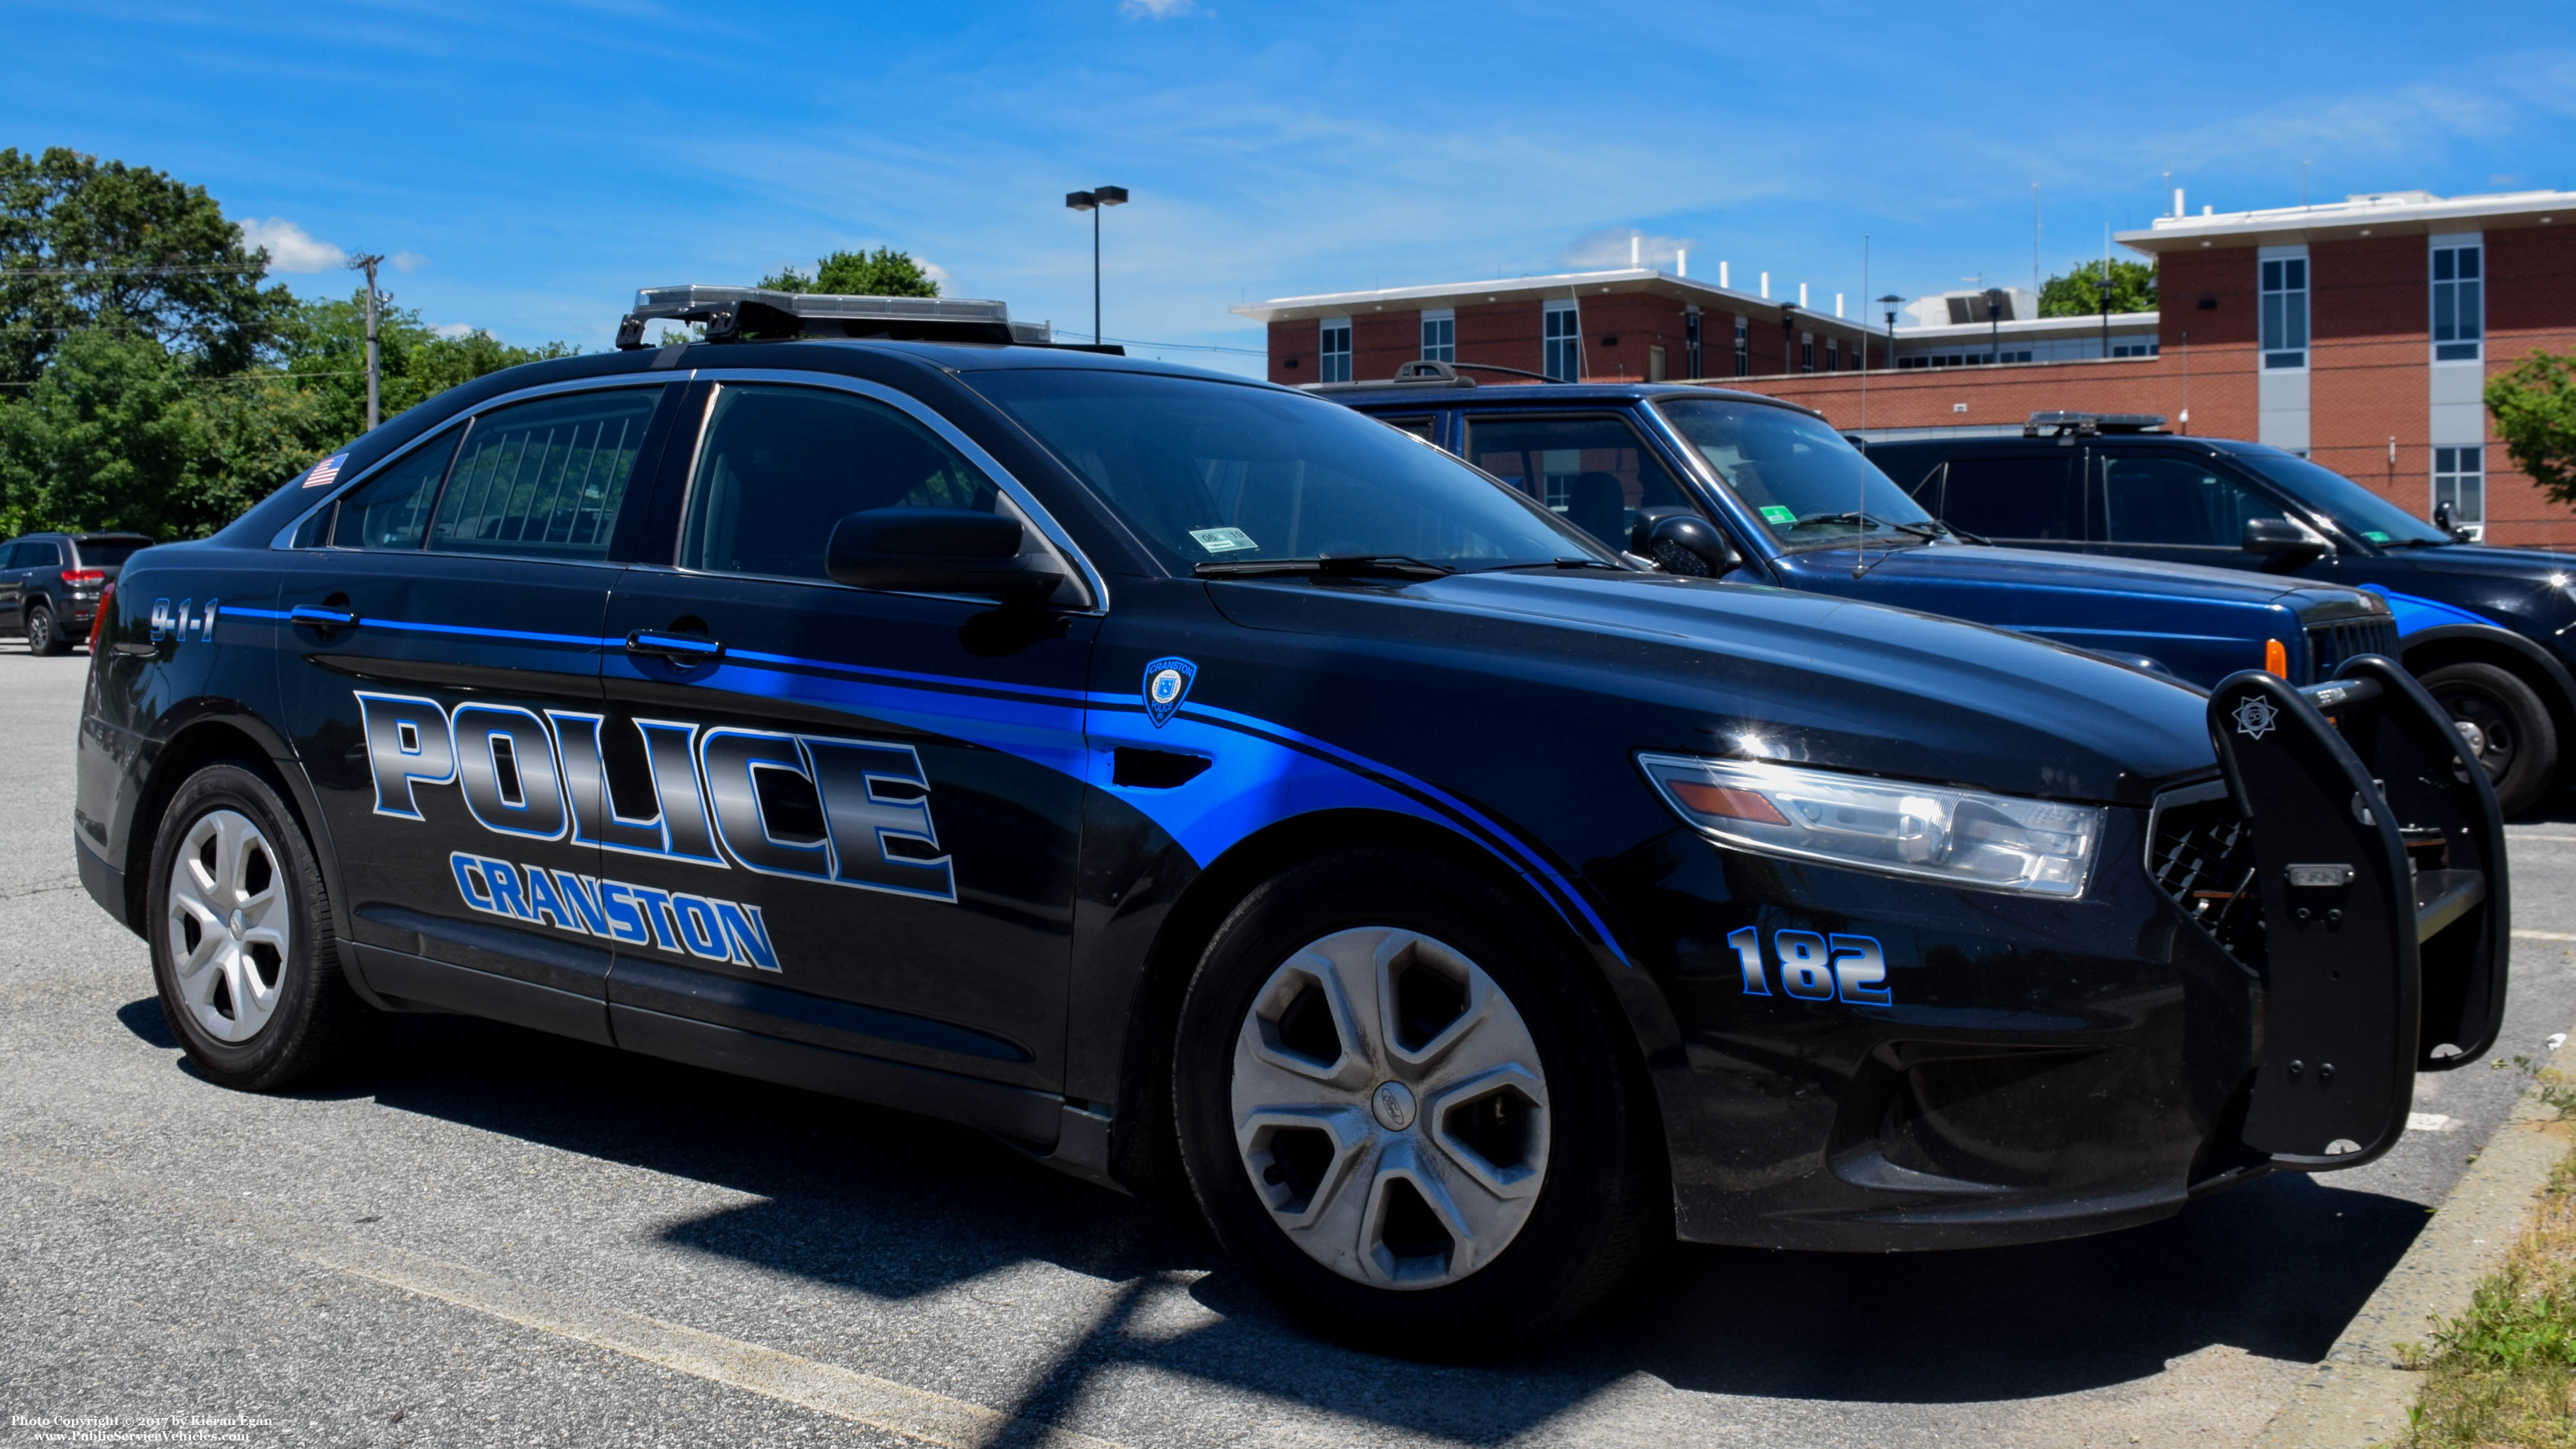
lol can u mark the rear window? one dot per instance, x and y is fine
(109, 553)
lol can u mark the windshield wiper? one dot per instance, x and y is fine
(1331, 566)
(1872, 520)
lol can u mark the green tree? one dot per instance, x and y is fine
(884, 272)
(85, 245)
(2079, 293)
(2534, 407)
(322, 348)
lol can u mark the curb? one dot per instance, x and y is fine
(2358, 1397)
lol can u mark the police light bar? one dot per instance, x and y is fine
(2083, 423)
(747, 314)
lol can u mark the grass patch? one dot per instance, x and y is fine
(2503, 1372)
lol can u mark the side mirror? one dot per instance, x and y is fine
(1681, 542)
(935, 551)
(2283, 544)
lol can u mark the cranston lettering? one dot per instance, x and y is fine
(833, 811)
(674, 921)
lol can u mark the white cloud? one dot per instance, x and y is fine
(454, 329)
(1155, 9)
(408, 261)
(290, 247)
(1608, 249)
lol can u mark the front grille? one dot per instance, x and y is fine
(2201, 852)
(2331, 644)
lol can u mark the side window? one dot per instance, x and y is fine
(1595, 471)
(39, 553)
(2031, 497)
(544, 479)
(9, 556)
(1419, 427)
(781, 465)
(391, 510)
(2176, 501)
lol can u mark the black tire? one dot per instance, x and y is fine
(1603, 1204)
(311, 1021)
(2517, 743)
(42, 636)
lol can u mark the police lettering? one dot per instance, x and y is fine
(717, 796)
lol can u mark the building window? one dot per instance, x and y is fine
(1743, 347)
(1335, 364)
(1440, 336)
(1564, 359)
(2460, 480)
(2133, 349)
(1806, 352)
(2459, 311)
(1833, 355)
(2285, 312)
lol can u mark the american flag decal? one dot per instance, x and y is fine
(325, 471)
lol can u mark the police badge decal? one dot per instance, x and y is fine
(1167, 683)
(2254, 716)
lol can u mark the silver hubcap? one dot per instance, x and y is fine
(2473, 737)
(229, 927)
(1389, 1105)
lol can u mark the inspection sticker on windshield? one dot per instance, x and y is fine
(1223, 540)
(1774, 513)
(2375, 536)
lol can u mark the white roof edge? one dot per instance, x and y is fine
(1625, 279)
(2030, 327)
(2167, 231)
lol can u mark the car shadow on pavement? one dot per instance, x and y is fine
(898, 1207)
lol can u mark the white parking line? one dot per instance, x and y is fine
(2427, 1122)
(825, 1388)
(2545, 935)
(2550, 839)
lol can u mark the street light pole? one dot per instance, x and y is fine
(1890, 302)
(368, 265)
(1092, 201)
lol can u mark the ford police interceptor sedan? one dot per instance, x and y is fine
(1193, 781)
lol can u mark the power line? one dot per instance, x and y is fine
(241, 377)
(174, 270)
(1188, 346)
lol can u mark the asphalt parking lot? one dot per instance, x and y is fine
(493, 1236)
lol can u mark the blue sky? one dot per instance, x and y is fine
(531, 163)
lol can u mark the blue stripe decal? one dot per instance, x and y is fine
(1284, 772)
(2412, 613)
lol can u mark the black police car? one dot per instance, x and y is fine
(1190, 780)
(2490, 631)
(50, 583)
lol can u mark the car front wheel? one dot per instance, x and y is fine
(1405, 1115)
(2505, 726)
(242, 951)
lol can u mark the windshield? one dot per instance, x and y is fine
(1806, 480)
(2360, 511)
(1214, 472)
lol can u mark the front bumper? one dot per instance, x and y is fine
(2047, 1069)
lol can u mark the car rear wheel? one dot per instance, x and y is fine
(242, 953)
(41, 635)
(2506, 727)
(1405, 1115)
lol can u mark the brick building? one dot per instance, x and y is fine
(2360, 333)
(1634, 323)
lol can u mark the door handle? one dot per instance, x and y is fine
(681, 650)
(319, 617)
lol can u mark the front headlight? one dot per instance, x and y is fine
(1961, 837)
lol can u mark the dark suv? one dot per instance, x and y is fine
(2490, 631)
(50, 583)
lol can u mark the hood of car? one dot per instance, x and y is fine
(1643, 661)
(2474, 558)
(2031, 568)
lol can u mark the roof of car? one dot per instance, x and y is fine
(1545, 394)
(2221, 445)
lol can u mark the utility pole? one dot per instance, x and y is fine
(368, 263)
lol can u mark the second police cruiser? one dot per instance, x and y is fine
(1192, 781)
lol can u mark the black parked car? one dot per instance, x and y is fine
(50, 584)
(2490, 631)
(1191, 781)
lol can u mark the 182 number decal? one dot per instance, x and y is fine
(1815, 967)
